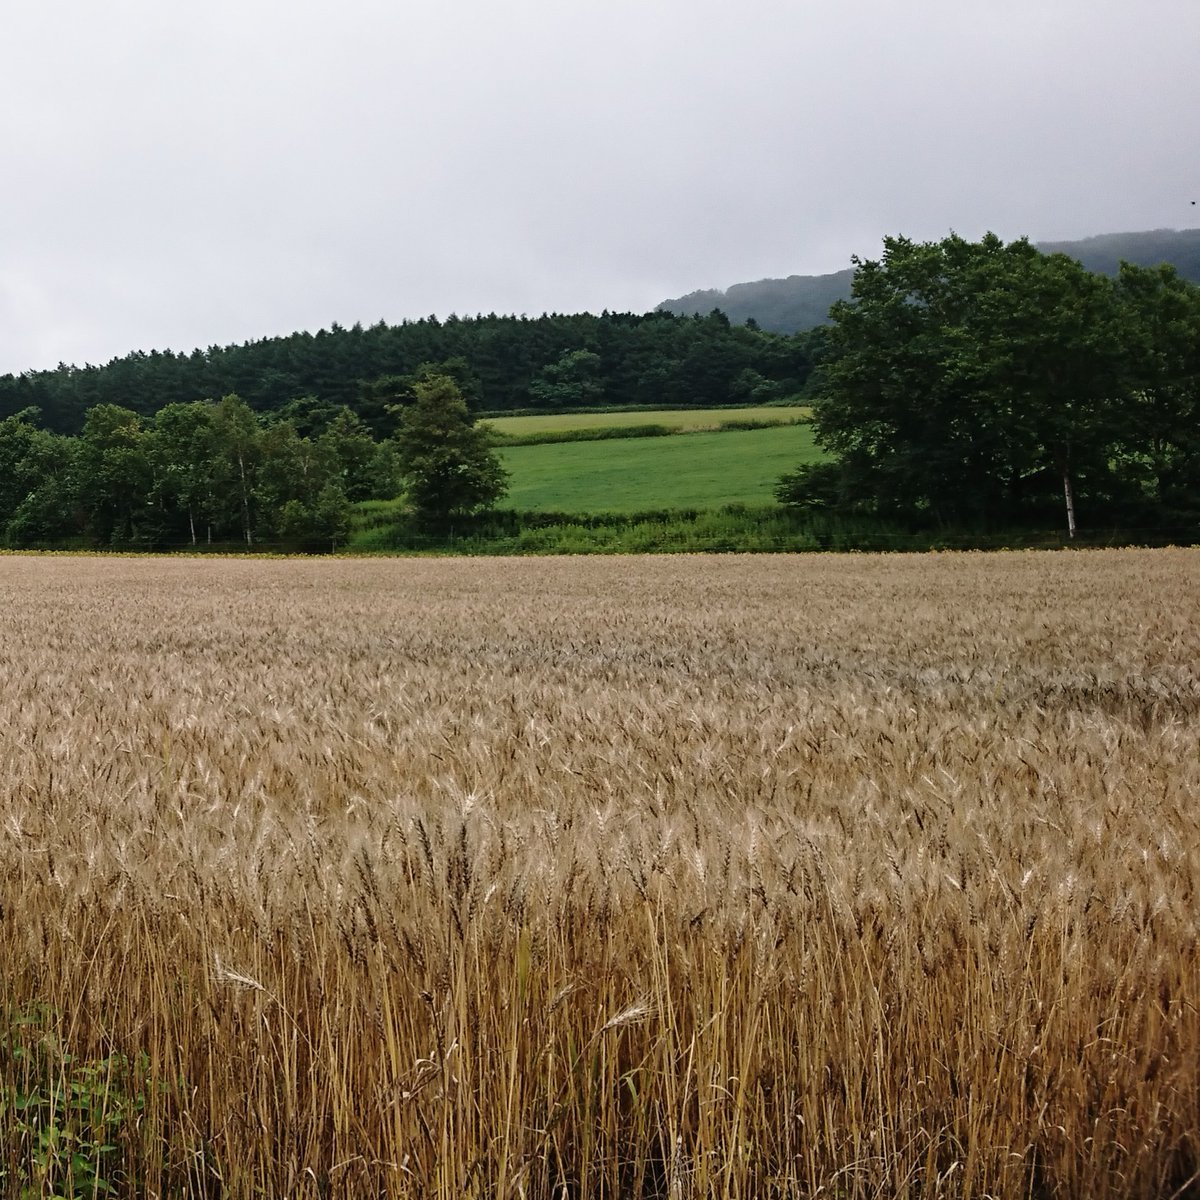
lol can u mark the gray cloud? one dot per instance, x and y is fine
(183, 174)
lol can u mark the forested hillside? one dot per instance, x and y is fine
(797, 302)
(1105, 253)
(802, 301)
(500, 363)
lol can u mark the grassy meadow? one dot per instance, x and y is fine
(701, 470)
(738, 877)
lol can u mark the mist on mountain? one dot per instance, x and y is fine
(802, 301)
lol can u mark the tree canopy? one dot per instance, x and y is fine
(446, 460)
(192, 474)
(971, 383)
(802, 302)
(499, 363)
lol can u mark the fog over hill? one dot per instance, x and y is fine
(802, 301)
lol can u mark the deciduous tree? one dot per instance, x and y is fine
(963, 381)
(1163, 408)
(447, 462)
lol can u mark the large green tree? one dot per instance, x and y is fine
(236, 457)
(37, 483)
(1163, 459)
(446, 460)
(182, 456)
(115, 477)
(23, 459)
(964, 382)
(350, 453)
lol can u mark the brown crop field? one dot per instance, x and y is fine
(669, 877)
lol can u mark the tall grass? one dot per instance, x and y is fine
(606, 433)
(677, 877)
(679, 417)
(385, 527)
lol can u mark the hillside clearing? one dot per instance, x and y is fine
(702, 470)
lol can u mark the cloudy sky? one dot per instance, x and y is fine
(176, 173)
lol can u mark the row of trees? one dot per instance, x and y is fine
(216, 472)
(971, 386)
(978, 385)
(499, 363)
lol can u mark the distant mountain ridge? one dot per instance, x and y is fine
(802, 301)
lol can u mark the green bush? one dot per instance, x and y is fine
(62, 1118)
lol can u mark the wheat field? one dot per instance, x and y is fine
(672, 877)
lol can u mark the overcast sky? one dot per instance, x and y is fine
(176, 173)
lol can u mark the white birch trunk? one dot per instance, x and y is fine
(1069, 497)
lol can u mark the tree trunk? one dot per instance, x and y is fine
(245, 501)
(1069, 497)
(192, 523)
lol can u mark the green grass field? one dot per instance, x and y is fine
(687, 419)
(703, 470)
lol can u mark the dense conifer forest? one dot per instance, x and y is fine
(500, 364)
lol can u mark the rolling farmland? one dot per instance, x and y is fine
(680, 877)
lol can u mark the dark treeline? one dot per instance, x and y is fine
(499, 363)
